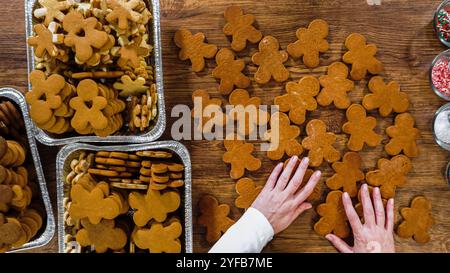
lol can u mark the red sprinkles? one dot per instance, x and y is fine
(440, 76)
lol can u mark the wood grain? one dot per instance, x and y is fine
(407, 44)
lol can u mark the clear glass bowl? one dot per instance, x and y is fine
(441, 56)
(444, 122)
(438, 14)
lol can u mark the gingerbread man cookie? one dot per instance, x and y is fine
(283, 137)
(95, 204)
(403, 136)
(417, 220)
(207, 111)
(319, 142)
(360, 127)
(83, 36)
(385, 97)
(43, 42)
(248, 191)
(311, 41)
(348, 174)
(240, 27)
(214, 217)
(194, 48)
(270, 61)
(158, 238)
(333, 217)
(335, 86)
(123, 13)
(153, 205)
(389, 175)
(229, 71)
(361, 56)
(102, 236)
(299, 98)
(246, 112)
(131, 54)
(239, 156)
(52, 9)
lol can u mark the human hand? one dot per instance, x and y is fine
(280, 201)
(376, 234)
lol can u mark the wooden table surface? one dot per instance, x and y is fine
(407, 44)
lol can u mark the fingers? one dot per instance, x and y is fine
(301, 208)
(286, 174)
(390, 215)
(306, 191)
(339, 244)
(271, 181)
(297, 179)
(379, 208)
(369, 216)
(352, 216)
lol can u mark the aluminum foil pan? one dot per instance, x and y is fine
(48, 231)
(156, 61)
(69, 152)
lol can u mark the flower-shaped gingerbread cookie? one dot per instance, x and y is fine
(333, 217)
(283, 137)
(385, 97)
(270, 61)
(207, 111)
(88, 106)
(417, 220)
(82, 35)
(246, 112)
(389, 175)
(52, 9)
(299, 98)
(335, 86)
(194, 48)
(361, 56)
(348, 174)
(248, 191)
(319, 142)
(153, 205)
(240, 27)
(311, 41)
(159, 238)
(229, 71)
(403, 136)
(44, 96)
(214, 217)
(239, 156)
(360, 127)
(101, 236)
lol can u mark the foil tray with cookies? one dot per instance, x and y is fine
(124, 198)
(95, 73)
(26, 216)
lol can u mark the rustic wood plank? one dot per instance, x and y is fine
(407, 44)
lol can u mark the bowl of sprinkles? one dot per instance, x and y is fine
(440, 75)
(442, 22)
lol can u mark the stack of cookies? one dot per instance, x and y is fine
(19, 222)
(106, 188)
(78, 44)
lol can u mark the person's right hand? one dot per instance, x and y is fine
(376, 234)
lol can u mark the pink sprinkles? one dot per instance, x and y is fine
(440, 76)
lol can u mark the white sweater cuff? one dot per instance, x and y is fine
(248, 235)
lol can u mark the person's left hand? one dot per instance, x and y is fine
(280, 201)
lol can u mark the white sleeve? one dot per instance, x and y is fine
(248, 235)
